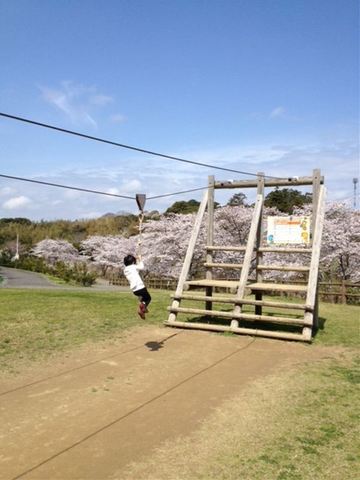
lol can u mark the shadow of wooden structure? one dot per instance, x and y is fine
(233, 318)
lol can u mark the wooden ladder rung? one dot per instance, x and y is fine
(281, 268)
(277, 287)
(284, 250)
(223, 265)
(213, 283)
(230, 248)
(241, 330)
(226, 248)
(241, 316)
(236, 301)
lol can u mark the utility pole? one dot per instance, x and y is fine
(355, 182)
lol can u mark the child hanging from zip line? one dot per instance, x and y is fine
(131, 272)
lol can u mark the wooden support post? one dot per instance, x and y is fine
(343, 292)
(260, 232)
(248, 254)
(315, 199)
(189, 254)
(210, 237)
(312, 288)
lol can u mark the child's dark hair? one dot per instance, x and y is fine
(129, 260)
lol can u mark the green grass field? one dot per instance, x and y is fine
(300, 424)
(36, 323)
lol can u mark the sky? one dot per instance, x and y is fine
(253, 85)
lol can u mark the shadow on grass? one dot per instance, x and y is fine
(321, 326)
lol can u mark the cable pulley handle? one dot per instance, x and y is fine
(140, 200)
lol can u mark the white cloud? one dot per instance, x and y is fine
(113, 191)
(16, 202)
(100, 100)
(278, 112)
(76, 101)
(152, 176)
(72, 194)
(133, 186)
(118, 118)
(7, 191)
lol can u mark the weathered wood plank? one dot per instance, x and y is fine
(244, 331)
(210, 236)
(241, 316)
(278, 287)
(285, 250)
(213, 283)
(223, 265)
(283, 268)
(268, 182)
(190, 252)
(226, 248)
(233, 300)
(248, 254)
(259, 237)
(315, 259)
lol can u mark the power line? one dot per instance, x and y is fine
(129, 147)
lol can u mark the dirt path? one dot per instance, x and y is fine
(89, 414)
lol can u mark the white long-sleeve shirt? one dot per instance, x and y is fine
(131, 272)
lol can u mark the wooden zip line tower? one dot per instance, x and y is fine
(293, 326)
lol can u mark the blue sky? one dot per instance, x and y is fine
(254, 85)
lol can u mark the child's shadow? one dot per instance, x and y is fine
(154, 346)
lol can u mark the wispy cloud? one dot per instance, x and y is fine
(278, 112)
(16, 202)
(117, 118)
(7, 191)
(77, 101)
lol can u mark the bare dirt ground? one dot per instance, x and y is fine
(89, 413)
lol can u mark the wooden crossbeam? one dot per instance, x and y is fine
(256, 332)
(277, 287)
(268, 182)
(213, 283)
(234, 300)
(228, 248)
(223, 265)
(241, 316)
(284, 250)
(283, 268)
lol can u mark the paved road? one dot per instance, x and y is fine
(16, 278)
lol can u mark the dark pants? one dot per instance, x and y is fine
(144, 295)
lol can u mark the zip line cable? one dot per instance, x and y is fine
(66, 186)
(129, 147)
(176, 193)
(59, 185)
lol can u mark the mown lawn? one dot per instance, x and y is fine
(37, 323)
(301, 424)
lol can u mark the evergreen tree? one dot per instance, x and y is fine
(286, 199)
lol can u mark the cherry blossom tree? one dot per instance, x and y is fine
(165, 241)
(340, 254)
(53, 251)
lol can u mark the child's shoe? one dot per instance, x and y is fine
(142, 310)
